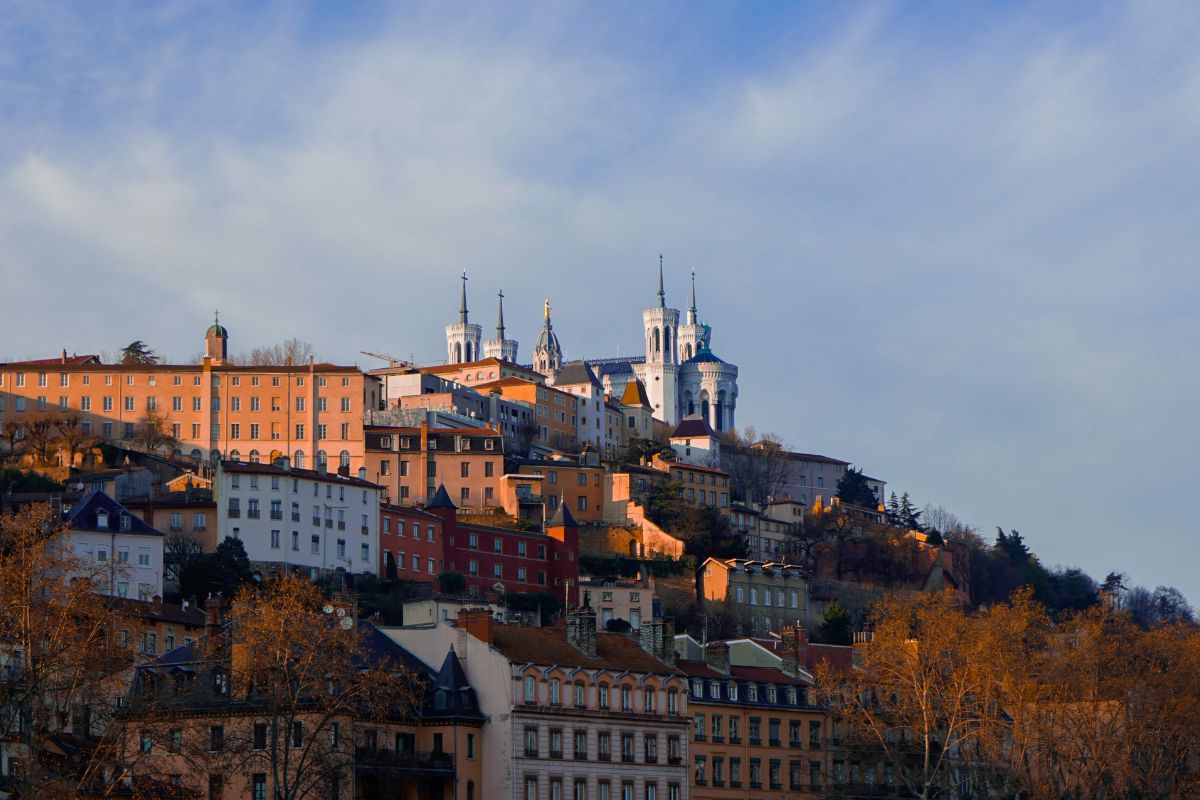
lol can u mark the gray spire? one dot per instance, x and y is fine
(692, 310)
(500, 320)
(662, 296)
(462, 307)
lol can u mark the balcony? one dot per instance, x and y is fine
(341, 525)
(627, 758)
(755, 784)
(796, 786)
(651, 759)
(795, 743)
(701, 782)
(365, 530)
(776, 785)
(674, 761)
(556, 753)
(700, 737)
(234, 513)
(328, 523)
(531, 752)
(755, 741)
(295, 516)
(774, 742)
(735, 740)
(253, 514)
(176, 526)
(410, 762)
(735, 784)
(717, 739)
(605, 757)
(581, 756)
(317, 521)
(276, 515)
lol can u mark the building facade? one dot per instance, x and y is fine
(762, 596)
(117, 550)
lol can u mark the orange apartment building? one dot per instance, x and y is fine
(410, 464)
(701, 486)
(555, 411)
(575, 483)
(309, 412)
(483, 371)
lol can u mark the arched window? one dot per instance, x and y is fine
(687, 351)
(657, 341)
(458, 353)
(254, 457)
(322, 459)
(704, 407)
(344, 458)
(215, 456)
(235, 455)
(298, 459)
(196, 454)
(469, 351)
(667, 339)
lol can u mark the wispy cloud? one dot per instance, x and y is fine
(958, 251)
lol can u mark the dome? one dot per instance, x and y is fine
(547, 340)
(216, 330)
(704, 356)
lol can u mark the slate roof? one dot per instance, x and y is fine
(563, 517)
(549, 646)
(441, 499)
(705, 356)
(576, 373)
(247, 468)
(615, 366)
(82, 516)
(693, 428)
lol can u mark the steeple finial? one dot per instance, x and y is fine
(547, 310)
(662, 295)
(462, 307)
(692, 310)
(500, 320)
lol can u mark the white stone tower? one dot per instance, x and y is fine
(547, 354)
(691, 331)
(462, 338)
(661, 370)
(500, 347)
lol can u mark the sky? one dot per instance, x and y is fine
(954, 243)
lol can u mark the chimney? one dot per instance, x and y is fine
(658, 639)
(794, 648)
(581, 629)
(362, 473)
(64, 355)
(477, 622)
(716, 655)
(212, 618)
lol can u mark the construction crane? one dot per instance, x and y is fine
(392, 360)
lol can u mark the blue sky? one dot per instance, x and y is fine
(954, 243)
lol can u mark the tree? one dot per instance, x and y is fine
(757, 465)
(153, 433)
(450, 582)
(180, 550)
(138, 352)
(836, 625)
(637, 449)
(14, 441)
(60, 656)
(296, 675)
(40, 434)
(73, 437)
(232, 564)
(290, 351)
(853, 488)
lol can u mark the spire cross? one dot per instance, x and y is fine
(662, 295)
(216, 317)
(462, 308)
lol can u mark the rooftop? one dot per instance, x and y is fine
(549, 646)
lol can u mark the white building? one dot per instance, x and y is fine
(695, 442)
(120, 551)
(319, 522)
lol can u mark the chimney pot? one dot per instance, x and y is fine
(477, 622)
(581, 629)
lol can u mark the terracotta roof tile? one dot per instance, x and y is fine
(548, 646)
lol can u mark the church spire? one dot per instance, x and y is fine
(500, 320)
(692, 310)
(462, 307)
(662, 296)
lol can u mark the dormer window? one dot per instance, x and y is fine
(733, 691)
(102, 519)
(697, 689)
(752, 693)
(126, 522)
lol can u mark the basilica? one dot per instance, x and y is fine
(681, 375)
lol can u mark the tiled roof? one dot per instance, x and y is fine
(765, 675)
(410, 511)
(165, 612)
(246, 468)
(693, 427)
(82, 516)
(812, 457)
(575, 373)
(694, 468)
(549, 646)
(69, 361)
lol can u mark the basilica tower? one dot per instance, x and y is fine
(661, 370)
(462, 338)
(501, 347)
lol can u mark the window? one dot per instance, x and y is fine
(556, 743)
(531, 742)
(603, 700)
(530, 689)
(260, 736)
(701, 778)
(260, 786)
(814, 733)
(531, 788)
(216, 738)
(297, 734)
(555, 690)
(315, 544)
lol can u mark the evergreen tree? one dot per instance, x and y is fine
(138, 352)
(853, 488)
(893, 510)
(909, 515)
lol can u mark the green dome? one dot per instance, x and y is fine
(216, 330)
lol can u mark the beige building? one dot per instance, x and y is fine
(762, 596)
(310, 412)
(613, 599)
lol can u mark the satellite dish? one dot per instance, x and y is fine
(346, 623)
(341, 612)
(498, 587)
(328, 609)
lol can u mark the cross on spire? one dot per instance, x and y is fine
(662, 295)
(462, 307)
(500, 320)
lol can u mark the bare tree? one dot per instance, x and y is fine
(40, 433)
(290, 351)
(60, 657)
(153, 433)
(14, 440)
(72, 438)
(757, 464)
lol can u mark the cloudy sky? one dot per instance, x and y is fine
(954, 243)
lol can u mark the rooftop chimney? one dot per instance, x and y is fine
(716, 655)
(64, 355)
(477, 622)
(362, 473)
(658, 639)
(212, 618)
(581, 629)
(794, 648)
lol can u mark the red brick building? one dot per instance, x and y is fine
(410, 543)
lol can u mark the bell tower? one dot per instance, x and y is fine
(501, 347)
(462, 337)
(661, 372)
(216, 341)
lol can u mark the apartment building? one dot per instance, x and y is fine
(411, 543)
(297, 519)
(762, 596)
(312, 413)
(119, 551)
(631, 600)
(411, 463)
(574, 713)
(757, 733)
(556, 412)
(766, 536)
(576, 482)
